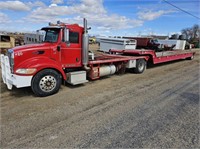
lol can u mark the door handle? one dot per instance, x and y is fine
(58, 48)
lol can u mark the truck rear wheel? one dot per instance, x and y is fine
(140, 66)
(46, 82)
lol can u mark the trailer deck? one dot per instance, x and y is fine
(170, 53)
(108, 58)
(158, 57)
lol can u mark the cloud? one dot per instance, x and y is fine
(57, 1)
(93, 10)
(113, 22)
(53, 5)
(14, 5)
(152, 15)
(73, 11)
(36, 4)
(4, 18)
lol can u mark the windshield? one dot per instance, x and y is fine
(51, 35)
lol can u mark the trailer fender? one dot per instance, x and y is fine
(41, 63)
(146, 58)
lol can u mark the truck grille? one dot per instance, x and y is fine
(11, 60)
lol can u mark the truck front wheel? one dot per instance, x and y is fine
(140, 66)
(46, 82)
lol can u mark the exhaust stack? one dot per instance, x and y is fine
(85, 45)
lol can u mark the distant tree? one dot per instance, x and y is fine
(192, 34)
(196, 31)
(186, 32)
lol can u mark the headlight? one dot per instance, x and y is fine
(25, 71)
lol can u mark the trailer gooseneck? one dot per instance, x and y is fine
(64, 56)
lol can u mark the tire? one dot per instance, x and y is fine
(140, 66)
(46, 82)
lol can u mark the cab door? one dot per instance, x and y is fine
(71, 51)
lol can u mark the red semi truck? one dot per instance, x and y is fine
(63, 56)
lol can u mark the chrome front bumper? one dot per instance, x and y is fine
(11, 79)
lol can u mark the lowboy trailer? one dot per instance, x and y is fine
(158, 57)
(64, 56)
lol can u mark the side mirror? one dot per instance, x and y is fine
(66, 35)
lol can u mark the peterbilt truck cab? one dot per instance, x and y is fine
(42, 66)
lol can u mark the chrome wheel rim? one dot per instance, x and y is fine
(47, 83)
(140, 66)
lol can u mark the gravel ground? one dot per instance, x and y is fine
(159, 108)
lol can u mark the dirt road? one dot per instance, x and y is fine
(159, 108)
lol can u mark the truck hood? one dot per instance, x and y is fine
(40, 46)
(32, 51)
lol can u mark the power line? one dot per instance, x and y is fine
(181, 9)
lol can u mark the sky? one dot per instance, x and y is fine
(105, 17)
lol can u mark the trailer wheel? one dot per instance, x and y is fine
(46, 82)
(140, 66)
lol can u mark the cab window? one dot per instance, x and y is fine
(73, 37)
